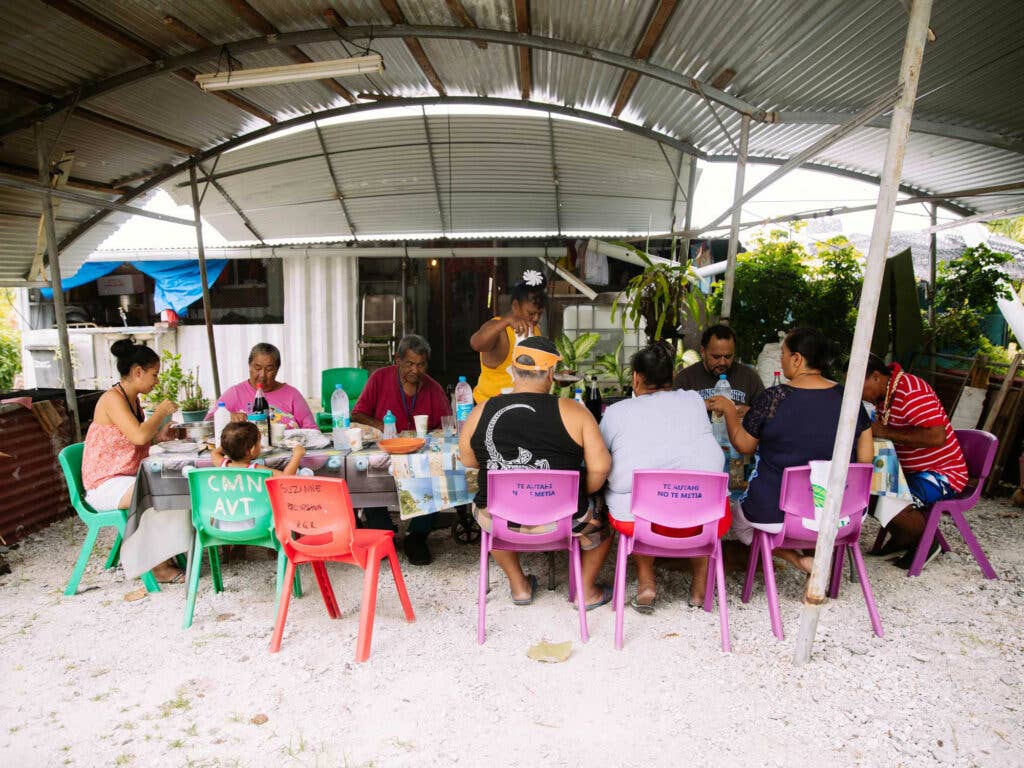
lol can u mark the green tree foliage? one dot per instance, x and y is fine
(834, 293)
(10, 342)
(966, 289)
(1012, 228)
(771, 290)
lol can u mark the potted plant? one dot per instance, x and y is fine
(193, 404)
(180, 387)
(665, 296)
(610, 366)
(168, 383)
(573, 353)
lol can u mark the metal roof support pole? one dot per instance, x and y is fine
(433, 171)
(737, 209)
(899, 130)
(877, 107)
(675, 197)
(55, 283)
(554, 174)
(1011, 210)
(207, 317)
(691, 188)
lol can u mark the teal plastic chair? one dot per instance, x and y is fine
(352, 380)
(229, 506)
(71, 462)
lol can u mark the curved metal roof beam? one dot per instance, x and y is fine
(321, 35)
(846, 172)
(159, 178)
(974, 135)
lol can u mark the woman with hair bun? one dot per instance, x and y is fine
(496, 338)
(119, 436)
(789, 425)
(660, 428)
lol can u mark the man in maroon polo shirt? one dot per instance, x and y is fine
(406, 390)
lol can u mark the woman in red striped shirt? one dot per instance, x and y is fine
(910, 415)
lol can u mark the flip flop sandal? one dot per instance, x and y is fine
(645, 608)
(178, 578)
(533, 591)
(606, 597)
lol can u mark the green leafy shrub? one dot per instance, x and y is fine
(771, 290)
(10, 359)
(966, 289)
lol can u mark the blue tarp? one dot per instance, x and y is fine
(91, 270)
(177, 282)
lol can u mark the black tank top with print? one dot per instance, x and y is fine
(524, 431)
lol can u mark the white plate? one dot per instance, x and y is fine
(313, 438)
(180, 446)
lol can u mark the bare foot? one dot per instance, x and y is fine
(165, 573)
(805, 563)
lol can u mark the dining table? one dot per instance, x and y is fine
(428, 480)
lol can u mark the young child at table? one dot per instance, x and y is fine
(240, 447)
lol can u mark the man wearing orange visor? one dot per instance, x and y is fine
(533, 429)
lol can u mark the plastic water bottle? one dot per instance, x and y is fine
(389, 426)
(221, 418)
(718, 425)
(778, 379)
(463, 402)
(340, 420)
(578, 397)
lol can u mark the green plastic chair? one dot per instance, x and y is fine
(352, 380)
(230, 506)
(71, 462)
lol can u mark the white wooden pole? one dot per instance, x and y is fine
(899, 130)
(737, 209)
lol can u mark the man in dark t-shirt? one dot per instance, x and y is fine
(718, 356)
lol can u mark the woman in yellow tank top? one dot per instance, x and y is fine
(496, 338)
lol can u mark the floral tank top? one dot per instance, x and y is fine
(108, 453)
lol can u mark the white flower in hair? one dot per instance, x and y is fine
(533, 278)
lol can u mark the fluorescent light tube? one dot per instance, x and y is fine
(290, 73)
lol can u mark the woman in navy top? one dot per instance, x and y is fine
(789, 425)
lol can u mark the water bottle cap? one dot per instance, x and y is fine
(722, 376)
(338, 386)
(389, 416)
(462, 379)
(220, 404)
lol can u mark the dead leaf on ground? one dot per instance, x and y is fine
(135, 594)
(671, 634)
(552, 653)
(224, 616)
(259, 719)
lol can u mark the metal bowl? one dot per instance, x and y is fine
(198, 431)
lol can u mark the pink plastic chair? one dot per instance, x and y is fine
(676, 499)
(532, 498)
(796, 502)
(979, 449)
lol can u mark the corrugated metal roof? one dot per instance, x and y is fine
(493, 174)
(832, 56)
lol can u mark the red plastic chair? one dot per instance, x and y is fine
(979, 449)
(315, 524)
(531, 498)
(698, 504)
(796, 501)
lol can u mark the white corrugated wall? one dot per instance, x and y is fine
(320, 328)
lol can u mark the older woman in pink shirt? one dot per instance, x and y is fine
(264, 363)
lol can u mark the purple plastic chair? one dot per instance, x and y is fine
(532, 498)
(676, 499)
(796, 501)
(979, 449)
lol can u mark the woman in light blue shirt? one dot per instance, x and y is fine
(660, 428)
